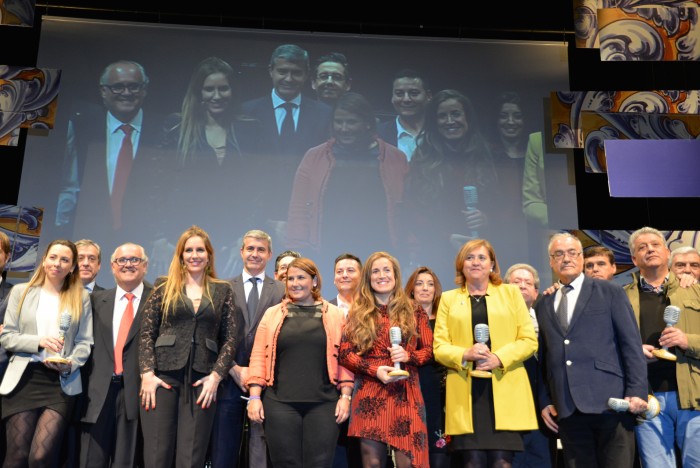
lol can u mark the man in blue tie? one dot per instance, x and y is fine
(254, 292)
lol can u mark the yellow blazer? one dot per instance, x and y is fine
(513, 340)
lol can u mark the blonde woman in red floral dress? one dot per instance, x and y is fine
(386, 410)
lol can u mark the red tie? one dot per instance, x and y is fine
(124, 327)
(121, 174)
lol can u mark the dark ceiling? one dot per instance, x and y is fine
(531, 20)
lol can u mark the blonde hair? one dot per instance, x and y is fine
(174, 283)
(361, 327)
(71, 294)
(469, 247)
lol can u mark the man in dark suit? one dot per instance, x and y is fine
(256, 252)
(111, 161)
(590, 350)
(4, 294)
(89, 263)
(290, 124)
(111, 407)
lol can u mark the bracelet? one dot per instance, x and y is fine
(254, 397)
(348, 397)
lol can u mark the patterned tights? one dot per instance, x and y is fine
(34, 438)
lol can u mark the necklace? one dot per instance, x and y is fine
(477, 297)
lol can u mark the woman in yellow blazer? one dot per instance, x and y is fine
(484, 415)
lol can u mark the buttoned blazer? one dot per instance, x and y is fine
(271, 294)
(101, 365)
(599, 356)
(313, 125)
(21, 339)
(204, 340)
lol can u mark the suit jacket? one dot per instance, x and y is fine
(4, 292)
(4, 298)
(313, 125)
(21, 339)
(388, 131)
(205, 340)
(101, 365)
(278, 159)
(271, 294)
(92, 213)
(598, 357)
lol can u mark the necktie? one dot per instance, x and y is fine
(563, 308)
(124, 327)
(287, 131)
(252, 299)
(121, 174)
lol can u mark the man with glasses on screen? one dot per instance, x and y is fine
(331, 77)
(109, 162)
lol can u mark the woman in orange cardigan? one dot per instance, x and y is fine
(295, 361)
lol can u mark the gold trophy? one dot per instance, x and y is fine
(671, 316)
(395, 338)
(481, 335)
(63, 326)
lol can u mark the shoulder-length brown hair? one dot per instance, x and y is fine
(71, 294)
(361, 327)
(309, 267)
(411, 285)
(174, 284)
(469, 247)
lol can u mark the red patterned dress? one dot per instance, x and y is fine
(392, 413)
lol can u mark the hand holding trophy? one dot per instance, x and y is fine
(63, 326)
(671, 315)
(395, 338)
(481, 335)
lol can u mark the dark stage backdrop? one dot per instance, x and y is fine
(480, 69)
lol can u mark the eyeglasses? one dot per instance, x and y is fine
(330, 76)
(479, 258)
(122, 261)
(560, 254)
(119, 88)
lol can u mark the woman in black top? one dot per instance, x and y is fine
(187, 347)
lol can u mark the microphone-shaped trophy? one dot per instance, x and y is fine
(63, 326)
(620, 405)
(471, 198)
(481, 335)
(671, 315)
(395, 338)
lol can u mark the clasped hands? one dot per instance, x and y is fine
(482, 356)
(150, 383)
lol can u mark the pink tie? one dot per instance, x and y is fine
(121, 174)
(124, 327)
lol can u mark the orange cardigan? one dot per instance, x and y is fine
(261, 369)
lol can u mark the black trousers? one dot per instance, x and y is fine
(598, 440)
(300, 434)
(177, 429)
(112, 439)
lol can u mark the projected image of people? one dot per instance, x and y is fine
(338, 181)
(109, 165)
(209, 145)
(330, 142)
(451, 154)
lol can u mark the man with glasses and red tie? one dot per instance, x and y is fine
(110, 160)
(590, 350)
(111, 407)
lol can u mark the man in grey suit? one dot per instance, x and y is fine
(254, 292)
(111, 408)
(590, 350)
